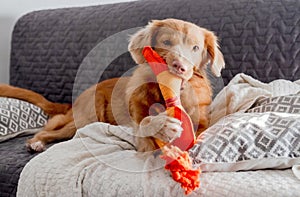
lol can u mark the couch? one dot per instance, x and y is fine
(59, 53)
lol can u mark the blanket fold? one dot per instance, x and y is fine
(243, 91)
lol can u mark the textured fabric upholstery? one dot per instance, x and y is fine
(260, 38)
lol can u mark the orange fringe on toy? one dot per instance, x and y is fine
(180, 165)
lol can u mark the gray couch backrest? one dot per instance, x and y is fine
(257, 37)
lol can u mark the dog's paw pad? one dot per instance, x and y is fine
(37, 146)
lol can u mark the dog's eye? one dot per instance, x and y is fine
(167, 42)
(195, 48)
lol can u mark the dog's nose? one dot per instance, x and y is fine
(179, 66)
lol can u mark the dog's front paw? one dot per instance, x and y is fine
(34, 145)
(170, 130)
(162, 126)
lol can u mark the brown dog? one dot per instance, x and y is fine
(186, 48)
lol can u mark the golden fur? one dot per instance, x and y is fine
(186, 48)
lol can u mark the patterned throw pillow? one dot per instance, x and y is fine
(287, 104)
(248, 141)
(19, 117)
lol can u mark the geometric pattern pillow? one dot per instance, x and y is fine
(287, 104)
(19, 117)
(248, 141)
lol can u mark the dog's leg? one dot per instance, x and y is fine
(38, 142)
(162, 127)
(58, 121)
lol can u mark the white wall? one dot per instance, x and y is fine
(11, 10)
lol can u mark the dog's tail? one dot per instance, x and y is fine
(49, 107)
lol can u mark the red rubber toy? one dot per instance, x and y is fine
(177, 159)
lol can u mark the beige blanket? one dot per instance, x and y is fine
(101, 162)
(242, 92)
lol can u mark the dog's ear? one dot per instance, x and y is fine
(138, 41)
(212, 53)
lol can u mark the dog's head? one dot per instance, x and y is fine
(183, 45)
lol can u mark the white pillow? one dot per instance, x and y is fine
(19, 117)
(250, 141)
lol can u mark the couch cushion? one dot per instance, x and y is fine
(259, 38)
